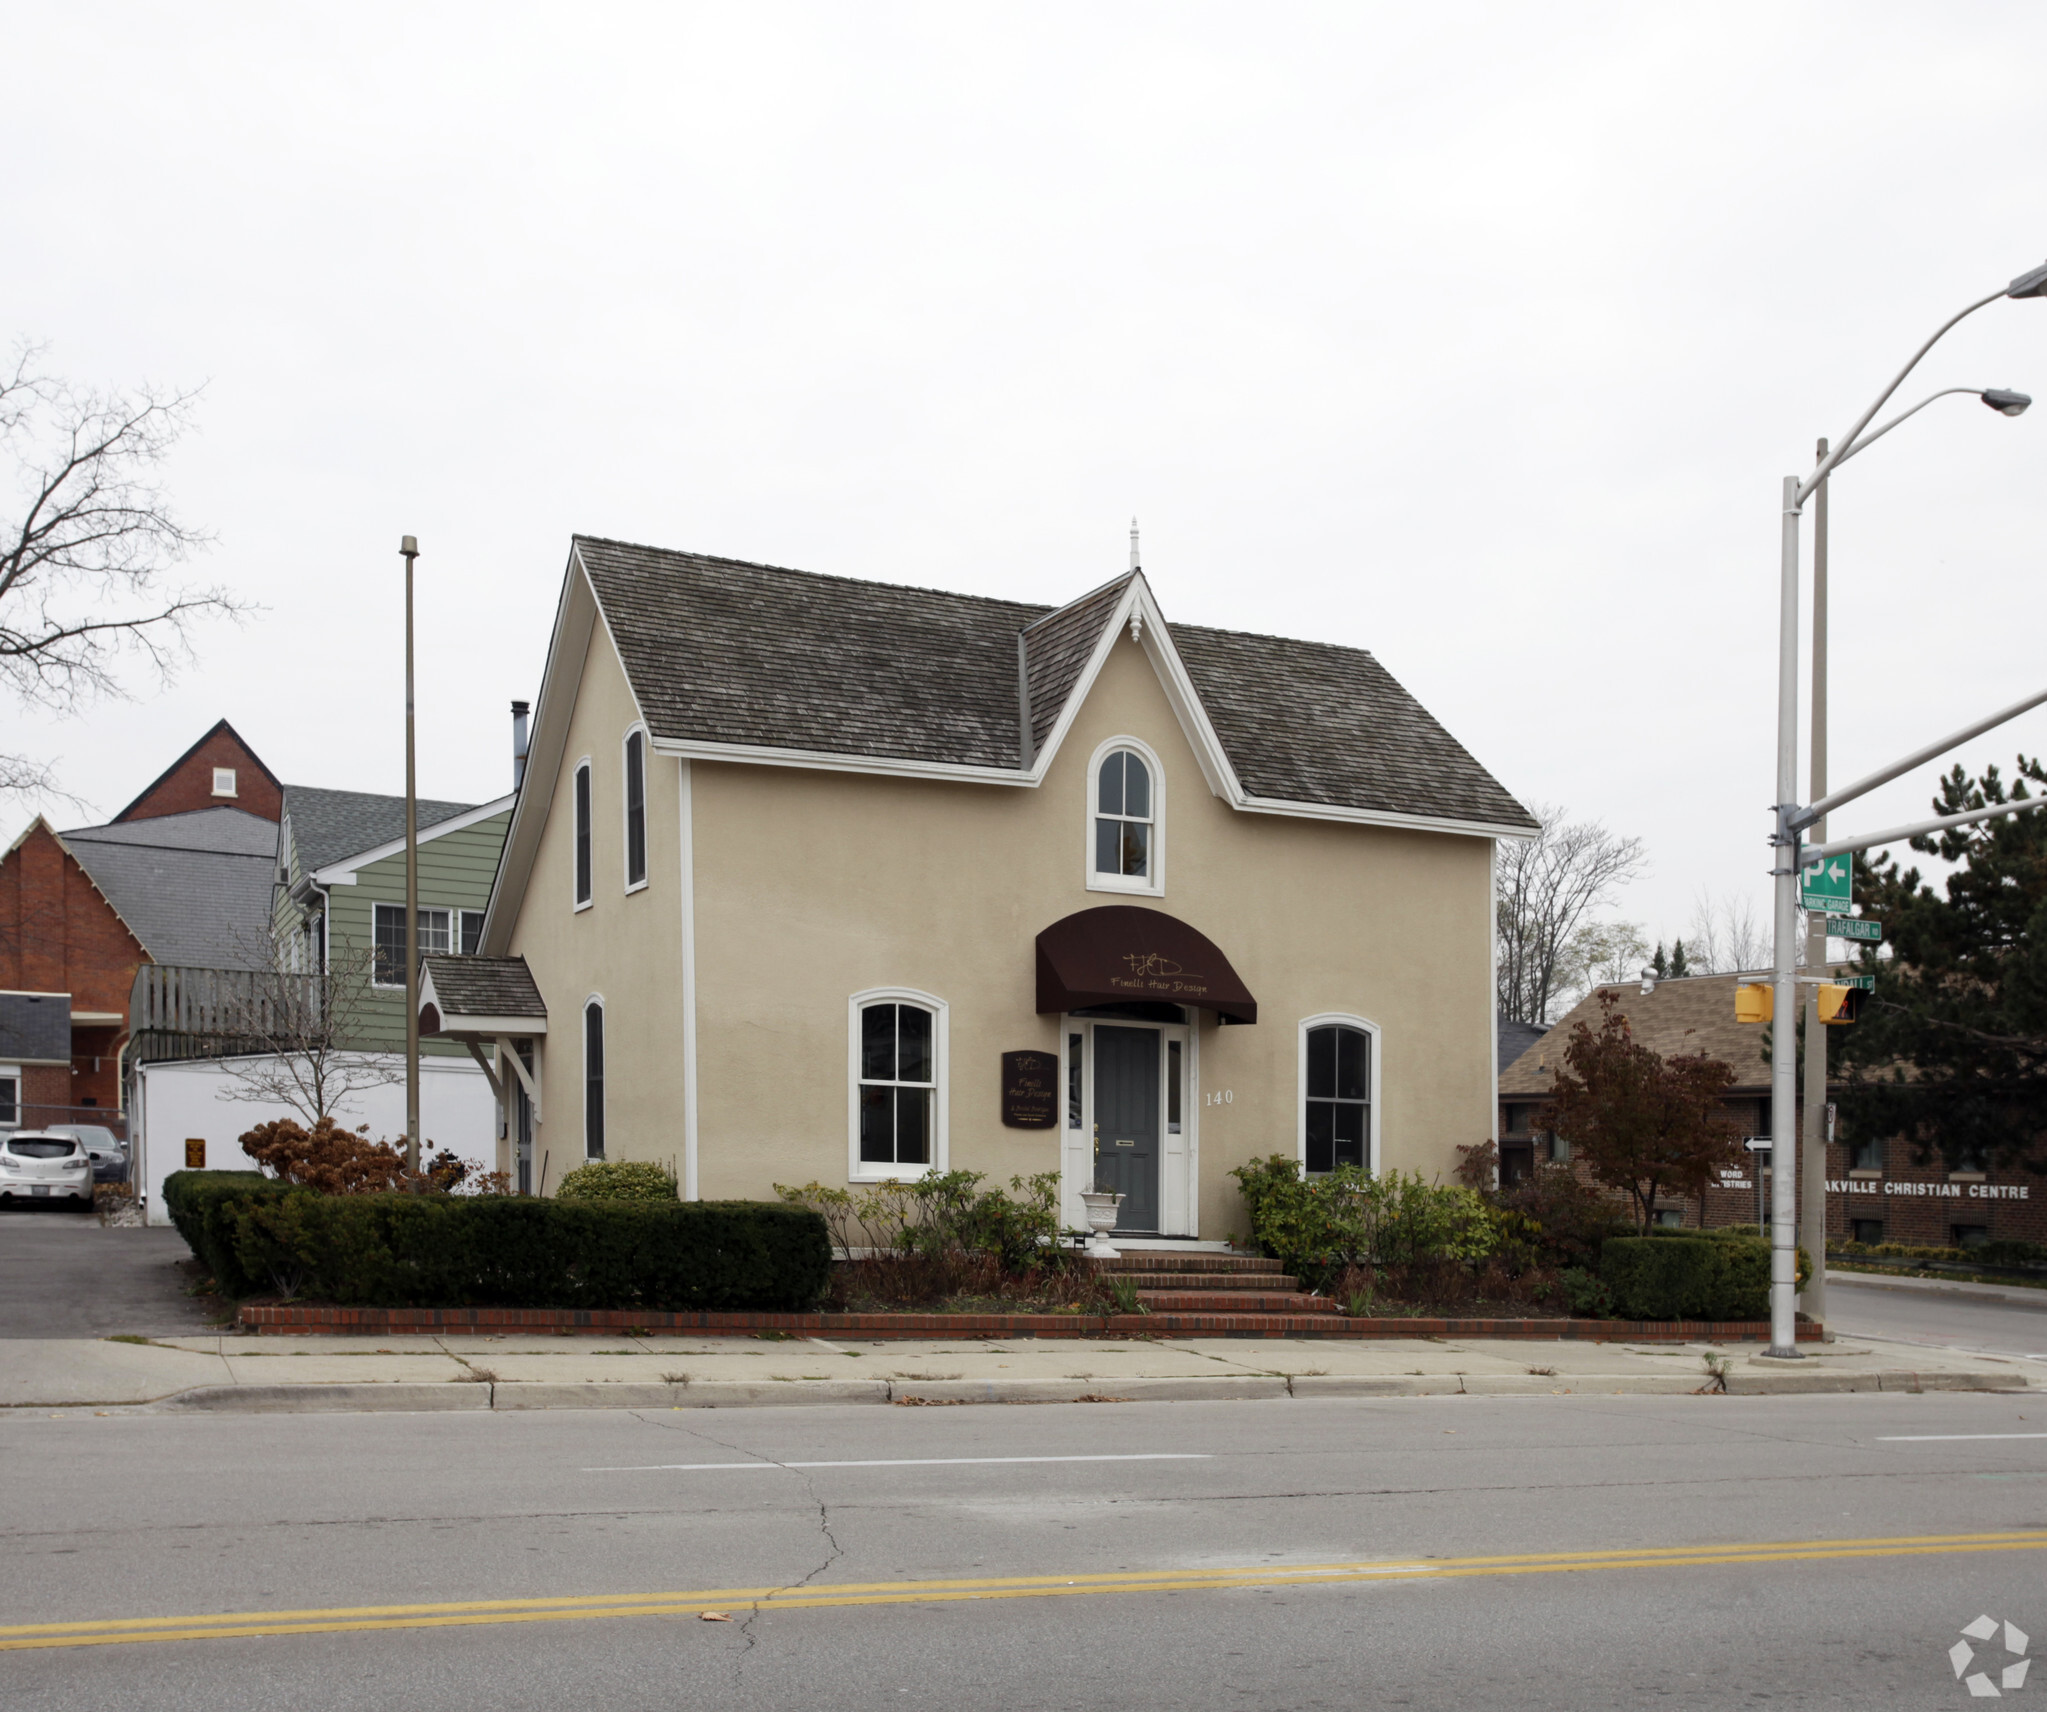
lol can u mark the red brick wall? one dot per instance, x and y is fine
(58, 935)
(189, 784)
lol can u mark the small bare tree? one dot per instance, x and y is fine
(1598, 953)
(1548, 885)
(84, 563)
(1727, 936)
(297, 1030)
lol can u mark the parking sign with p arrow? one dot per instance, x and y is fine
(1827, 887)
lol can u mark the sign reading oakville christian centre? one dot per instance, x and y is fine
(1030, 1090)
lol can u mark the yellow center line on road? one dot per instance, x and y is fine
(114, 1631)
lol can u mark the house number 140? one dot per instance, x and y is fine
(1226, 1097)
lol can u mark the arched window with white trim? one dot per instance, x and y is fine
(593, 1079)
(898, 1070)
(635, 806)
(1339, 1083)
(584, 873)
(1125, 819)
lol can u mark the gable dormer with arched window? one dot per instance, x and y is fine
(1126, 819)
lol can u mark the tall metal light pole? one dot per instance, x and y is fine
(1792, 821)
(409, 548)
(1812, 1176)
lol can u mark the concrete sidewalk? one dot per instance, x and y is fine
(228, 1372)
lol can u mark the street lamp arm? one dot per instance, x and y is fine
(1898, 834)
(1876, 434)
(1805, 817)
(1847, 440)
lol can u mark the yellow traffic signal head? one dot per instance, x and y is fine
(1752, 1002)
(1840, 1005)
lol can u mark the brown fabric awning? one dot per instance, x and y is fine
(1121, 954)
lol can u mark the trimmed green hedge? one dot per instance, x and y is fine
(1687, 1277)
(435, 1251)
(618, 1180)
(201, 1205)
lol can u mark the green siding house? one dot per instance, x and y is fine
(341, 890)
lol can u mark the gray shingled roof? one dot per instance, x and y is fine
(200, 906)
(1515, 1038)
(224, 831)
(329, 826)
(722, 651)
(485, 987)
(35, 1027)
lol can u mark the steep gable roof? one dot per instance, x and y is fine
(179, 789)
(790, 665)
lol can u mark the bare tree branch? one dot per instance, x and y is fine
(1547, 887)
(298, 1026)
(85, 564)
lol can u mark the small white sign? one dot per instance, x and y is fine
(1757, 1144)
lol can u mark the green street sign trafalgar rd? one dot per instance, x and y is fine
(1854, 927)
(1826, 887)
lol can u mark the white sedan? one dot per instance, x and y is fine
(35, 1165)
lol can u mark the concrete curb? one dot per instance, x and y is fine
(1807, 1384)
(1199, 1388)
(437, 1396)
(460, 1396)
(1986, 1291)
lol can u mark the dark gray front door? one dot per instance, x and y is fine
(1127, 1122)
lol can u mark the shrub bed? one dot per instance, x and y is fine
(412, 1251)
(1690, 1277)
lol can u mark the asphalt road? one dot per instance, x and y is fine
(64, 1275)
(1809, 1552)
(1939, 1318)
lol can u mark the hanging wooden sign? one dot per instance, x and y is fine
(1030, 1090)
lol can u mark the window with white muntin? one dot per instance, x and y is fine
(897, 1116)
(1339, 1099)
(1126, 819)
(441, 931)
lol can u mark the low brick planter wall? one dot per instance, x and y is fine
(541, 1322)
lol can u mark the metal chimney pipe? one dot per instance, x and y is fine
(519, 711)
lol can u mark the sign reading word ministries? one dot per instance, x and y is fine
(1826, 887)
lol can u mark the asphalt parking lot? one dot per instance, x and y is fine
(64, 1275)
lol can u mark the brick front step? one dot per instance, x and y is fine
(1234, 1302)
(1164, 1260)
(1265, 1282)
(564, 1322)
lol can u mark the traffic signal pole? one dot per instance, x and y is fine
(1812, 1160)
(1790, 854)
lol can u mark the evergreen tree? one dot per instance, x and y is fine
(1659, 965)
(1951, 1051)
(1678, 969)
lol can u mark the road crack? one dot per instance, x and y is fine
(833, 1550)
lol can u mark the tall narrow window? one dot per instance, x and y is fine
(472, 931)
(898, 1084)
(1173, 1050)
(1339, 1092)
(636, 810)
(593, 1080)
(1073, 1081)
(583, 881)
(10, 1100)
(1123, 816)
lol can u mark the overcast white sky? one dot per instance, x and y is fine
(1479, 336)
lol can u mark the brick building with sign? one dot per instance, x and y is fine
(1878, 1189)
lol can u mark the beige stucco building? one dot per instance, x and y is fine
(818, 879)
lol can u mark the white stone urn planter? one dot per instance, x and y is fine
(1102, 1207)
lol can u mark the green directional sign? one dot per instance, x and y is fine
(1866, 982)
(1827, 887)
(1854, 927)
